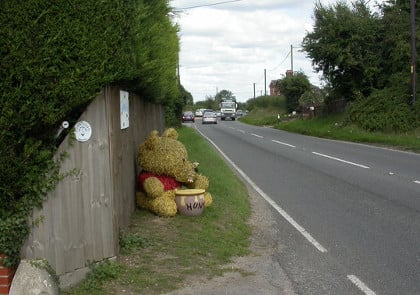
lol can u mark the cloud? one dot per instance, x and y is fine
(228, 46)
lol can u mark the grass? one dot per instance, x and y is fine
(263, 116)
(333, 127)
(162, 254)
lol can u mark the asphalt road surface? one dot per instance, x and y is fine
(348, 215)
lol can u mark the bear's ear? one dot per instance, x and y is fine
(170, 133)
(152, 140)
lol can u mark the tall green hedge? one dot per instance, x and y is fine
(54, 58)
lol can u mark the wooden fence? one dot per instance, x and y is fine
(81, 219)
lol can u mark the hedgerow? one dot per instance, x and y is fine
(384, 110)
(54, 58)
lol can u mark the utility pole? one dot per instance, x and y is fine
(413, 50)
(254, 90)
(291, 58)
(265, 82)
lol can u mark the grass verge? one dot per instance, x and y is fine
(263, 116)
(162, 254)
(333, 127)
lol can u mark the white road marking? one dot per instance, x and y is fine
(283, 143)
(256, 135)
(417, 181)
(341, 160)
(242, 131)
(283, 213)
(359, 284)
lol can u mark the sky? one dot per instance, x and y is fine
(230, 45)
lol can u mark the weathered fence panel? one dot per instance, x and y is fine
(80, 221)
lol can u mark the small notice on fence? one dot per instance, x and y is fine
(83, 131)
(124, 109)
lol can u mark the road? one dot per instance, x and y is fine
(348, 214)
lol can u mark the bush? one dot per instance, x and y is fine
(383, 110)
(262, 102)
(293, 87)
(312, 97)
(54, 59)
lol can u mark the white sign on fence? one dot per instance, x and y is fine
(83, 131)
(124, 109)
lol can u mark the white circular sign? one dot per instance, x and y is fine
(83, 131)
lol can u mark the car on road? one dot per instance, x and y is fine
(209, 116)
(199, 112)
(188, 116)
(239, 113)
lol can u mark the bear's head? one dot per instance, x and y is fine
(165, 155)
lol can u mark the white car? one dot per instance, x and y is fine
(199, 113)
(209, 117)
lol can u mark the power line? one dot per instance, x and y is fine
(206, 5)
(285, 58)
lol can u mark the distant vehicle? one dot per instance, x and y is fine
(199, 112)
(209, 116)
(239, 113)
(218, 113)
(207, 110)
(188, 116)
(228, 108)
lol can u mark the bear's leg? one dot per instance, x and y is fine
(164, 206)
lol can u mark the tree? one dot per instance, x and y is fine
(292, 87)
(186, 96)
(223, 94)
(344, 46)
(395, 46)
(312, 98)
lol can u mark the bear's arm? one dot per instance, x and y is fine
(153, 187)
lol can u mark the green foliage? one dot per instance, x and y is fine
(335, 127)
(292, 87)
(312, 97)
(382, 111)
(262, 117)
(186, 96)
(267, 102)
(344, 46)
(264, 110)
(395, 43)
(213, 102)
(158, 47)
(14, 230)
(361, 52)
(54, 58)
(242, 106)
(100, 273)
(209, 103)
(130, 242)
(223, 94)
